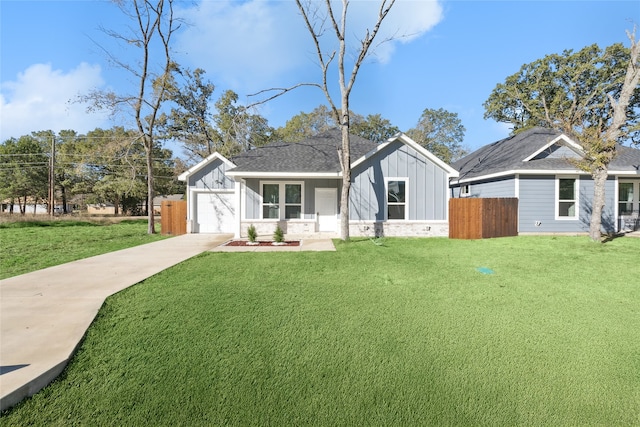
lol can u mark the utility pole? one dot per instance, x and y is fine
(52, 178)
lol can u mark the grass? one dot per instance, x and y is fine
(407, 332)
(32, 245)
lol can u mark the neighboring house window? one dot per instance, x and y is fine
(396, 198)
(273, 194)
(567, 198)
(625, 198)
(465, 190)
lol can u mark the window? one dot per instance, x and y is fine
(465, 190)
(292, 201)
(274, 193)
(567, 197)
(270, 201)
(396, 199)
(625, 198)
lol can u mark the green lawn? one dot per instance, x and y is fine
(33, 245)
(407, 333)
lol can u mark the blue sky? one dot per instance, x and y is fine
(457, 52)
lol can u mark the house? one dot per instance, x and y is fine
(398, 189)
(538, 166)
(32, 207)
(101, 209)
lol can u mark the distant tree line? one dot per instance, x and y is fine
(109, 165)
(102, 166)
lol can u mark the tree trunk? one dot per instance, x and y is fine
(151, 229)
(64, 199)
(599, 182)
(345, 161)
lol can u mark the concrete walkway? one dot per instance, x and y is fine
(45, 314)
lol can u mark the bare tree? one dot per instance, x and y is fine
(153, 25)
(315, 22)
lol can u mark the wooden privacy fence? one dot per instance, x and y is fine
(173, 217)
(477, 218)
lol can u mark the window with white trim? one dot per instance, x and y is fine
(626, 198)
(567, 198)
(270, 201)
(465, 190)
(292, 201)
(396, 198)
(282, 200)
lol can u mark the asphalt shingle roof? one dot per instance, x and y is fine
(508, 155)
(316, 154)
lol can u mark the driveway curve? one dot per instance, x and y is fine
(45, 314)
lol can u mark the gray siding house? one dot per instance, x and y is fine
(538, 167)
(398, 189)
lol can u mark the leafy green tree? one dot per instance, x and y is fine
(114, 161)
(375, 128)
(304, 125)
(24, 171)
(569, 92)
(236, 128)
(591, 95)
(62, 147)
(191, 120)
(228, 129)
(441, 132)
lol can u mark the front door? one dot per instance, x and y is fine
(629, 204)
(327, 209)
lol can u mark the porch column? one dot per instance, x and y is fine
(238, 188)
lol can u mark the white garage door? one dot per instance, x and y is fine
(215, 213)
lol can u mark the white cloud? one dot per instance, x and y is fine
(244, 43)
(407, 21)
(41, 99)
(253, 44)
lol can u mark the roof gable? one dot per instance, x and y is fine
(401, 137)
(184, 175)
(558, 148)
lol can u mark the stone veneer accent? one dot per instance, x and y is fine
(356, 229)
(400, 229)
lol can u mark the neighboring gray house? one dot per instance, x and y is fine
(554, 195)
(398, 189)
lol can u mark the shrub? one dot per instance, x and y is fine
(278, 235)
(252, 233)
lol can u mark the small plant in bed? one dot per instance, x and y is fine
(278, 236)
(253, 235)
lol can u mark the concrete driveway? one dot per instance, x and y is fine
(45, 314)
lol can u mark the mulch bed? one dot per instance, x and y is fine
(246, 243)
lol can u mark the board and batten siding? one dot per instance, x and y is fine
(212, 177)
(537, 205)
(427, 184)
